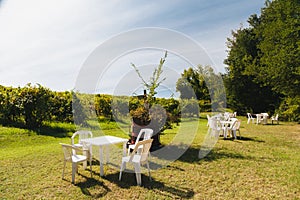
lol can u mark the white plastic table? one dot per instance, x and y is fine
(105, 141)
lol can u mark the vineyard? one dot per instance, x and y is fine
(34, 105)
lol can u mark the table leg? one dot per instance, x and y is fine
(124, 149)
(107, 153)
(101, 160)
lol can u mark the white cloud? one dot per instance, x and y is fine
(47, 41)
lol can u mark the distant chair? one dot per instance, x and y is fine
(235, 114)
(250, 118)
(229, 129)
(236, 128)
(214, 126)
(275, 119)
(208, 118)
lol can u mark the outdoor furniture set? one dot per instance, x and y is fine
(82, 152)
(224, 124)
(262, 118)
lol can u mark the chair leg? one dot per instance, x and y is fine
(149, 171)
(63, 172)
(137, 169)
(123, 167)
(74, 169)
(234, 133)
(91, 167)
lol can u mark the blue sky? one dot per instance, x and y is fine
(48, 41)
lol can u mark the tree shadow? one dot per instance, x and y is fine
(217, 154)
(243, 138)
(54, 131)
(191, 154)
(129, 180)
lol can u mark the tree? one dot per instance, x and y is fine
(244, 93)
(35, 105)
(155, 79)
(278, 31)
(192, 84)
(265, 58)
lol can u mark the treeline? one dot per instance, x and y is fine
(263, 73)
(32, 105)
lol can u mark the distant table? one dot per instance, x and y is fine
(105, 141)
(225, 125)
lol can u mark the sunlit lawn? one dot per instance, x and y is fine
(264, 164)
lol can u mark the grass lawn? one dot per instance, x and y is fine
(264, 164)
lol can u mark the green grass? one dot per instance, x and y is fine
(264, 164)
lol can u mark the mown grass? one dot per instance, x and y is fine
(263, 164)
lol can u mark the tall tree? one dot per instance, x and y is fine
(192, 84)
(263, 59)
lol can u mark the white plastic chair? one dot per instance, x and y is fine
(82, 134)
(208, 118)
(138, 159)
(250, 118)
(145, 133)
(70, 155)
(214, 126)
(275, 119)
(227, 129)
(236, 128)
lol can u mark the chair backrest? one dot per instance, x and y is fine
(67, 150)
(276, 117)
(213, 123)
(227, 115)
(208, 117)
(145, 133)
(144, 153)
(237, 125)
(83, 134)
(233, 124)
(234, 114)
(249, 115)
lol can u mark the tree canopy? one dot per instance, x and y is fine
(263, 59)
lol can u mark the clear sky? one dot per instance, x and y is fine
(47, 41)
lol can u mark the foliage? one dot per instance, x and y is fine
(189, 108)
(263, 59)
(35, 104)
(192, 84)
(202, 84)
(154, 81)
(289, 109)
(31, 105)
(103, 105)
(61, 107)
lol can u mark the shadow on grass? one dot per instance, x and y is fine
(243, 138)
(217, 154)
(129, 180)
(191, 154)
(91, 183)
(55, 131)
